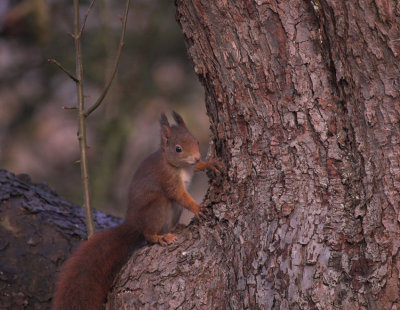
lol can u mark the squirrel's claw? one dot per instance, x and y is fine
(203, 212)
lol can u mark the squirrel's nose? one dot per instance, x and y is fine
(197, 157)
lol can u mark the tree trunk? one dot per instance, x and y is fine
(38, 231)
(303, 99)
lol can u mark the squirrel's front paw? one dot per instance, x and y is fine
(204, 212)
(216, 165)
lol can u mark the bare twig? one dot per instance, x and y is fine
(65, 107)
(82, 113)
(53, 61)
(85, 18)
(82, 125)
(115, 67)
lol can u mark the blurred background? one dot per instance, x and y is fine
(38, 137)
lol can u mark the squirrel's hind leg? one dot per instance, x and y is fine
(160, 239)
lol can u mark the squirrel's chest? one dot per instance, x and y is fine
(186, 175)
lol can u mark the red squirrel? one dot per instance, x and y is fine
(157, 194)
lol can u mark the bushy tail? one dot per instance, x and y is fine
(88, 274)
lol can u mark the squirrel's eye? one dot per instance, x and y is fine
(178, 149)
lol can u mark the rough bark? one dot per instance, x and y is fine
(303, 99)
(38, 231)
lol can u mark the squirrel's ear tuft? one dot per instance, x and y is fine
(178, 119)
(164, 120)
(165, 130)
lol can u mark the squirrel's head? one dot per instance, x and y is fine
(180, 147)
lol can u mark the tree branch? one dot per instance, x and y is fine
(82, 113)
(115, 67)
(53, 61)
(70, 107)
(85, 19)
(82, 125)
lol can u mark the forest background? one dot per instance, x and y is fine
(38, 137)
